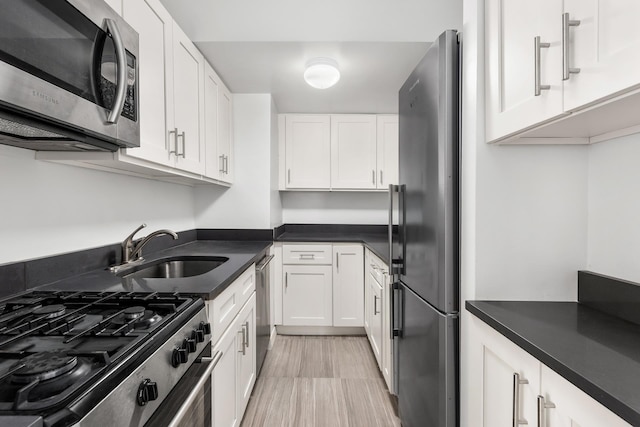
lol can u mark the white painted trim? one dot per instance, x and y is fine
(614, 134)
(545, 141)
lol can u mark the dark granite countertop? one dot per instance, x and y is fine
(597, 352)
(374, 237)
(241, 255)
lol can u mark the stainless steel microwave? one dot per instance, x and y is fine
(68, 76)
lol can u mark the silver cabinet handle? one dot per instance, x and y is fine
(286, 280)
(373, 176)
(542, 405)
(517, 382)
(226, 164)
(307, 256)
(288, 176)
(184, 145)
(175, 141)
(375, 305)
(381, 180)
(566, 24)
(537, 46)
(244, 339)
(221, 157)
(121, 58)
(246, 324)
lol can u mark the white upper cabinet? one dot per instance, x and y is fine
(349, 152)
(307, 151)
(218, 105)
(353, 151)
(388, 150)
(184, 125)
(225, 133)
(523, 81)
(604, 47)
(155, 29)
(577, 84)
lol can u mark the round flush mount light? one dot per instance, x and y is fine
(322, 73)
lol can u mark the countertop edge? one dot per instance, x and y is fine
(227, 282)
(595, 392)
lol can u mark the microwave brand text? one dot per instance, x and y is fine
(44, 97)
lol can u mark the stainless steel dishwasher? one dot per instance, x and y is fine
(263, 311)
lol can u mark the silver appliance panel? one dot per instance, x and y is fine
(120, 408)
(24, 93)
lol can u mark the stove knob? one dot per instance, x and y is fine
(189, 345)
(205, 327)
(198, 335)
(147, 391)
(178, 356)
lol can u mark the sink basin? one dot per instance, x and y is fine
(175, 268)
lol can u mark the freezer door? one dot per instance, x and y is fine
(427, 368)
(428, 191)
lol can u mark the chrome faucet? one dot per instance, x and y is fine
(132, 250)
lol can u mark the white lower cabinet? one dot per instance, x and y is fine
(510, 383)
(234, 376)
(348, 285)
(377, 316)
(307, 295)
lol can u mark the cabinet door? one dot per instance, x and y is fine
(376, 321)
(499, 363)
(511, 102)
(307, 299)
(387, 141)
(213, 163)
(155, 29)
(307, 151)
(353, 151)
(573, 407)
(188, 79)
(224, 386)
(604, 47)
(225, 132)
(246, 354)
(348, 285)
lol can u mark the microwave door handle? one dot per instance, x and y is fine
(121, 57)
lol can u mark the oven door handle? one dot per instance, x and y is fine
(121, 57)
(213, 361)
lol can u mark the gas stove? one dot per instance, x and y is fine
(81, 358)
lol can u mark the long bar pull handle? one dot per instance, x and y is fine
(226, 164)
(402, 211)
(337, 261)
(542, 405)
(373, 176)
(244, 339)
(286, 280)
(517, 382)
(392, 189)
(184, 145)
(121, 58)
(381, 180)
(537, 46)
(566, 24)
(175, 141)
(375, 305)
(288, 176)
(246, 325)
(221, 170)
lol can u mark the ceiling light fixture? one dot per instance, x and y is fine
(322, 73)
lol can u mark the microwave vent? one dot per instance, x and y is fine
(25, 131)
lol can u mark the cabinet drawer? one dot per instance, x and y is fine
(224, 308)
(377, 268)
(307, 254)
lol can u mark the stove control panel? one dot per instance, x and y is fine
(189, 345)
(147, 391)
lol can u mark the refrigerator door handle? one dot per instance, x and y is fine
(402, 231)
(392, 189)
(397, 299)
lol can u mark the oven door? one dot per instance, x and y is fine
(189, 403)
(71, 62)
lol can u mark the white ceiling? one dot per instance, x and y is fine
(262, 46)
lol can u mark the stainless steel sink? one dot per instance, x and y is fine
(174, 268)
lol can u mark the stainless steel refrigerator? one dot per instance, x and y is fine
(426, 254)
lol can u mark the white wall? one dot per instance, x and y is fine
(614, 208)
(248, 203)
(334, 207)
(50, 208)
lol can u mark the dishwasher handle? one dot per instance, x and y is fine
(263, 263)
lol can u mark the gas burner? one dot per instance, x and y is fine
(50, 311)
(44, 366)
(143, 320)
(135, 312)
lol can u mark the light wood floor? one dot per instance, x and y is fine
(320, 381)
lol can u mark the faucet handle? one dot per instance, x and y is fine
(130, 236)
